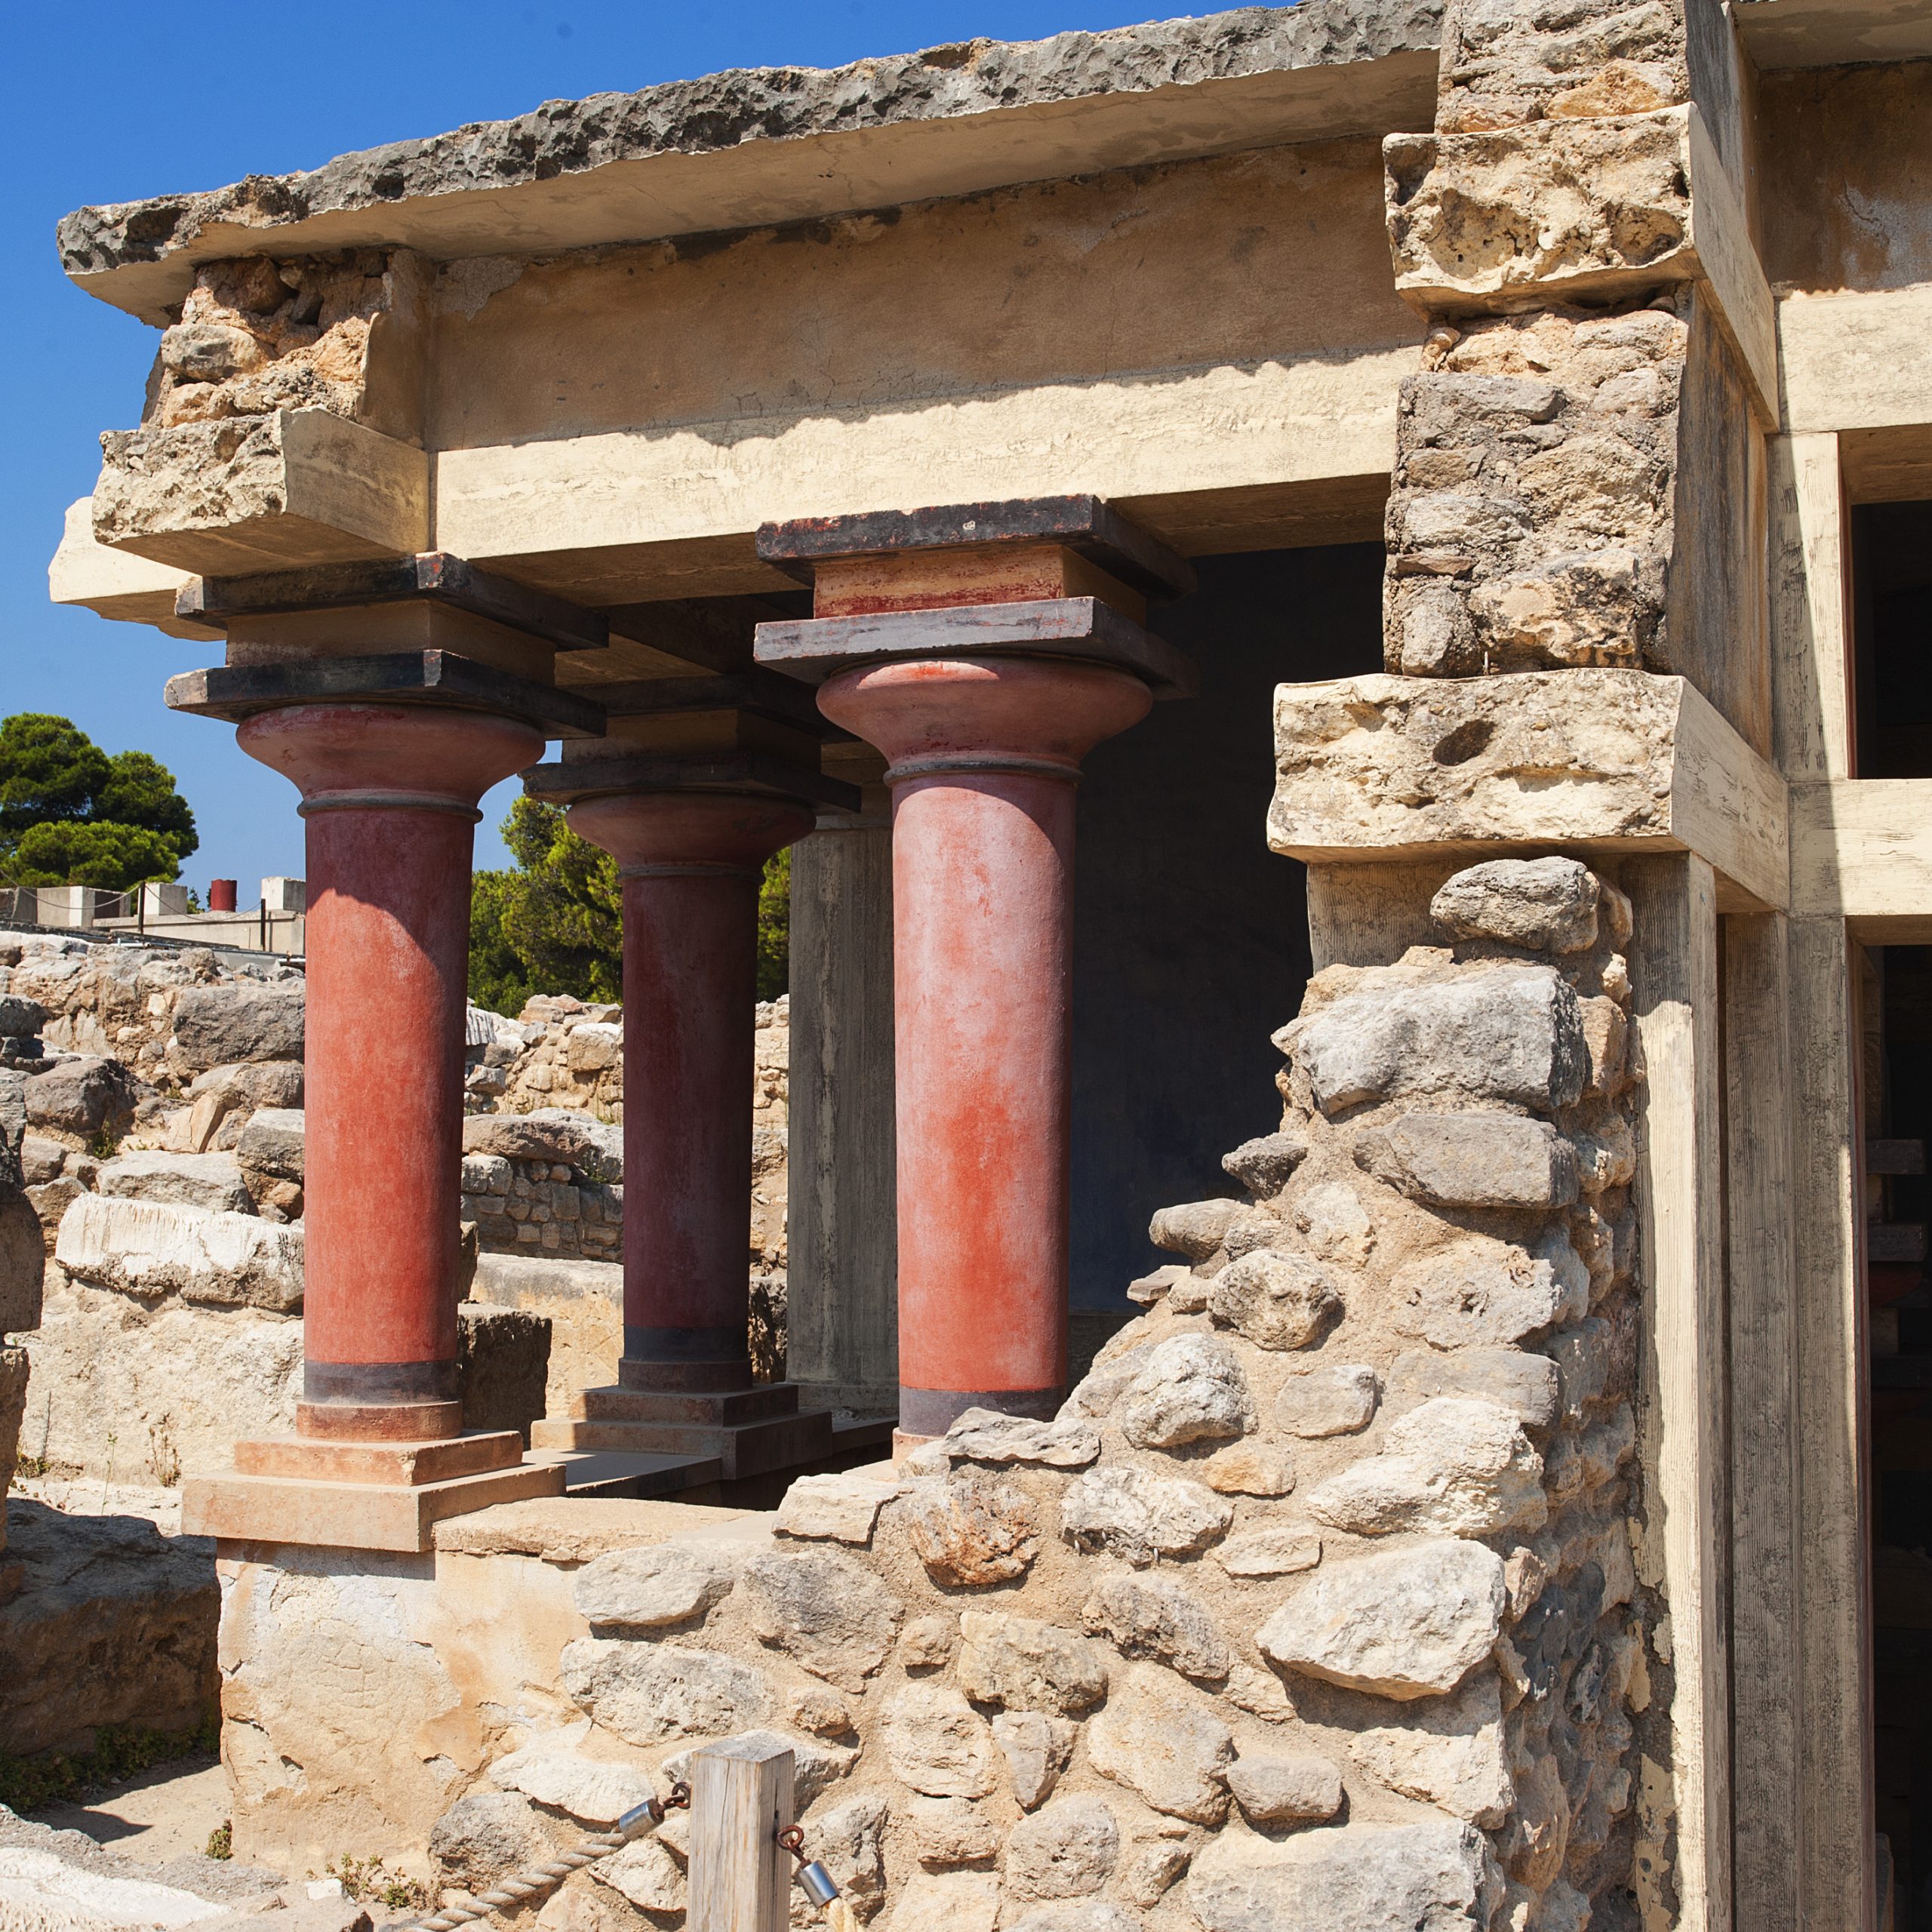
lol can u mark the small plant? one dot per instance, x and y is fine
(105, 1145)
(32, 1466)
(221, 1841)
(164, 1458)
(366, 1881)
(120, 1751)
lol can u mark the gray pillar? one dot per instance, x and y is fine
(843, 1297)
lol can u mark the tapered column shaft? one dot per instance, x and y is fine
(985, 759)
(389, 796)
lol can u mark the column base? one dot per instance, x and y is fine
(752, 1431)
(360, 1495)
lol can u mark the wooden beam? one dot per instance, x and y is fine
(1811, 711)
(1764, 1607)
(741, 1800)
(1683, 1546)
(1862, 851)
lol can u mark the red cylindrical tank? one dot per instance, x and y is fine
(389, 796)
(985, 756)
(691, 863)
(221, 895)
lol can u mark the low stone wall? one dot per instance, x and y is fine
(1315, 1608)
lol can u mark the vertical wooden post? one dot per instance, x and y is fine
(741, 1800)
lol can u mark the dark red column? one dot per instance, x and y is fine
(984, 758)
(691, 863)
(390, 797)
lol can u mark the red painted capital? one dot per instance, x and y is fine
(645, 830)
(963, 713)
(389, 755)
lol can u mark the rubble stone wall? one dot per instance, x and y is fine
(1314, 1608)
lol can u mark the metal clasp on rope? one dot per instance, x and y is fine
(820, 1887)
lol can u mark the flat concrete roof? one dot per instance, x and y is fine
(757, 146)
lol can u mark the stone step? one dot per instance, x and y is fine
(712, 1408)
(747, 1449)
(611, 1473)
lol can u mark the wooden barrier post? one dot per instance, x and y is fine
(741, 1800)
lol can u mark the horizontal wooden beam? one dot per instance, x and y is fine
(599, 775)
(1861, 851)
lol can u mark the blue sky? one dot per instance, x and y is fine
(118, 101)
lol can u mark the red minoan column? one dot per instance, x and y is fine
(691, 863)
(389, 796)
(984, 757)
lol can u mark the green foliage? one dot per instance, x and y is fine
(221, 1842)
(121, 1751)
(364, 1880)
(554, 923)
(70, 814)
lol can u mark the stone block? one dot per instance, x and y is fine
(1472, 1160)
(1133, 1513)
(848, 1840)
(1453, 1464)
(984, 1435)
(1172, 1751)
(1525, 1384)
(212, 1181)
(84, 1097)
(647, 1693)
(1066, 1849)
(1367, 1877)
(633, 1590)
(947, 1902)
(1250, 1469)
(23, 1260)
(1157, 1618)
(272, 1142)
(1281, 1549)
(1329, 1398)
(1505, 1033)
(1297, 1790)
(952, 1831)
(1408, 1623)
(553, 1772)
(1190, 1389)
(1275, 1300)
(487, 1836)
(824, 1610)
(1021, 1663)
(1038, 1749)
(565, 1136)
(937, 1743)
(15, 1370)
(151, 1249)
(1196, 1229)
(838, 1509)
(219, 1026)
(1334, 1225)
(1265, 1165)
(1449, 1751)
(249, 493)
(1543, 905)
(646, 1874)
(970, 1527)
(1480, 1293)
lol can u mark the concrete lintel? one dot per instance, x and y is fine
(116, 583)
(1855, 360)
(348, 1516)
(1861, 851)
(1380, 769)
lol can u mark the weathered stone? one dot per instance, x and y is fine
(1507, 1033)
(928, 1643)
(84, 1097)
(1526, 1385)
(23, 1260)
(952, 1831)
(1547, 905)
(150, 1249)
(837, 1509)
(1448, 1752)
(1116, 1365)
(14, 1378)
(1025, 1665)
(1424, 1878)
(822, 1712)
(110, 1623)
(848, 1839)
(1260, 1227)
(218, 1025)
(1250, 1469)
(1147, 1289)
(937, 1743)
(835, 1618)
(1037, 1749)
(1174, 1754)
(1479, 1293)
(41, 1160)
(1077, 1915)
(273, 1142)
(1190, 1389)
(817, 1766)
(646, 1590)
(1151, 1870)
(269, 1083)
(486, 1836)
(1286, 1790)
(1280, 1549)
(20, 1018)
(1472, 1160)
(1405, 1623)
(1607, 1038)
(1275, 1300)
(1156, 1618)
(1334, 1225)
(502, 1364)
(1454, 1464)
(971, 1528)
(1585, 1359)
(984, 1435)
(1128, 1512)
(554, 1774)
(1329, 1398)
(1266, 1165)
(211, 1181)
(1196, 1229)
(565, 1135)
(646, 1874)
(1065, 1850)
(646, 1694)
(947, 1902)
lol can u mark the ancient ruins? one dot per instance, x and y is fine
(1330, 601)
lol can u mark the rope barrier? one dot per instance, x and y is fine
(534, 1880)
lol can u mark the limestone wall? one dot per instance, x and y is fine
(1315, 1607)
